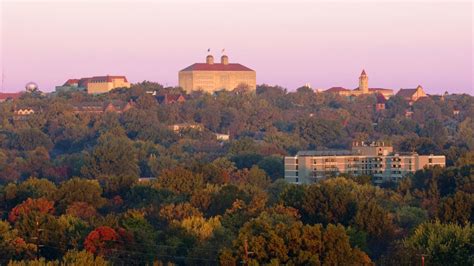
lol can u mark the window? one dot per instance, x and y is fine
(430, 160)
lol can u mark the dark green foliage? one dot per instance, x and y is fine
(207, 196)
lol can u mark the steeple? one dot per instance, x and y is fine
(364, 82)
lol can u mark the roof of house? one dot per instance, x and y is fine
(168, 98)
(325, 153)
(19, 109)
(376, 89)
(84, 81)
(101, 106)
(336, 89)
(380, 98)
(216, 67)
(380, 89)
(107, 78)
(70, 82)
(10, 95)
(406, 92)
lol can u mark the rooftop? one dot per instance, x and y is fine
(83, 81)
(10, 95)
(336, 89)
(107, 78)
(71, 82)
(216, 67)
(407, 92)
(325, 153)
(380, 98)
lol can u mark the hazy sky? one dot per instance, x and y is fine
(290, 43)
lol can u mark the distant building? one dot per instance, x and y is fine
(412, 95)
(170, 98)
(24, 111)
(95, 85)
(222, 137)
(380, 102)
(72, 85)
(4, 97)
(103, 107)
(185, 126)
(408, 113)
(375, 159)
(146, 179)
(363, 89)
(211, 77)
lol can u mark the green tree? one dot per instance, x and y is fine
(180, 180)
(79, 190)
(143, 248)
(31, 188)
(457, 208)
(32, 138)
(12, 245)
(444, 244)
(273, 166)
(410, 217)
(80, 258)
(114, 155)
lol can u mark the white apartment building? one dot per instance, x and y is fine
(376, 159)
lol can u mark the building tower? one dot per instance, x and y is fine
(364, 83)
(224, 60)
(210, 60)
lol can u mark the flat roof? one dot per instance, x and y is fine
(326, 153)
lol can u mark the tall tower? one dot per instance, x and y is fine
(364, 82)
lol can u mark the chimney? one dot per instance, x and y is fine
(209, 60)
(224, 60)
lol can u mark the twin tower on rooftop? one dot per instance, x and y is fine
(210, 60)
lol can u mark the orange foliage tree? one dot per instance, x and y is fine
(41, 205)
(105, 240)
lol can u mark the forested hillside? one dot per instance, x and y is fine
(70, 190)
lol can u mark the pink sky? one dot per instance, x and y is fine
(289, 43)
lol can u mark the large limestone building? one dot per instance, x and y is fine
(211, 77)
(95, 85)
(363, 88)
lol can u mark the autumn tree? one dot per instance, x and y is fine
(31, 188)
(103, 241)
(40, 205)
